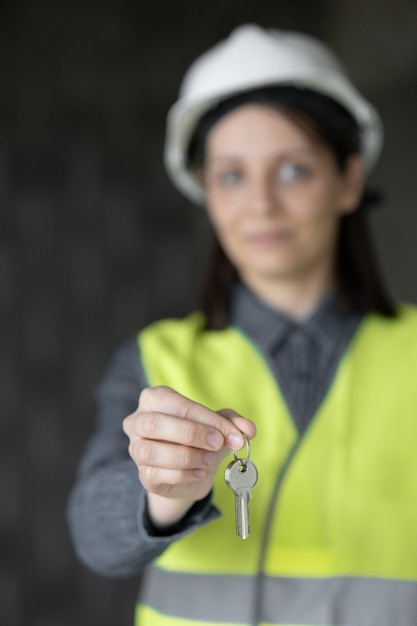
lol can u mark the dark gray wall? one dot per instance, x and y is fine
(94, 241)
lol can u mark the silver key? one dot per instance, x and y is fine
(241, 476)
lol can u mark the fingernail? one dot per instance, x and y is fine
(214, 439)
(199, 473)
(235, 441)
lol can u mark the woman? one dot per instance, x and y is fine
(297, 338)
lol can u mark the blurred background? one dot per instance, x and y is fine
(95, 242)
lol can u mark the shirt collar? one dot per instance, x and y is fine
(270, 328)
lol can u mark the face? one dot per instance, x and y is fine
(275, 196)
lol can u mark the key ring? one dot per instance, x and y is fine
(244, 461)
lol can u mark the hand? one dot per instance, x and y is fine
(177, 445)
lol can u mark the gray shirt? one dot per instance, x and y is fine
(107, 517)
(302, 355)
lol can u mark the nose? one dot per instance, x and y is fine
(261, 198)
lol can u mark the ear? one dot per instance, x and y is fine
(353, 184)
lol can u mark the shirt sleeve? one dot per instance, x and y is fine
(107, 514)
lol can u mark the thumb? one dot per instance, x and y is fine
(246, 426)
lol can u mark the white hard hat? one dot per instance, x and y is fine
(249, 58)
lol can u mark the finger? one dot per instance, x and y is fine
(162, 481)
(166, 400)
(163, 427)
(246, 426)
(170, 456)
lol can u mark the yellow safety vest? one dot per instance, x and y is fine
(334, 514)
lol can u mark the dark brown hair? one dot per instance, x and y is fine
(359, 281)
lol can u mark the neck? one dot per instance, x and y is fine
(295, 298)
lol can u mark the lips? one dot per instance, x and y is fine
(269, 237)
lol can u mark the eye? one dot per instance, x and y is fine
(228, 178)
(289, 172)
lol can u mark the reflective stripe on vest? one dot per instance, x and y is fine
(337, 505)
(231, 599)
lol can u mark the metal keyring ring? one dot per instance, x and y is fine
(246, 460)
